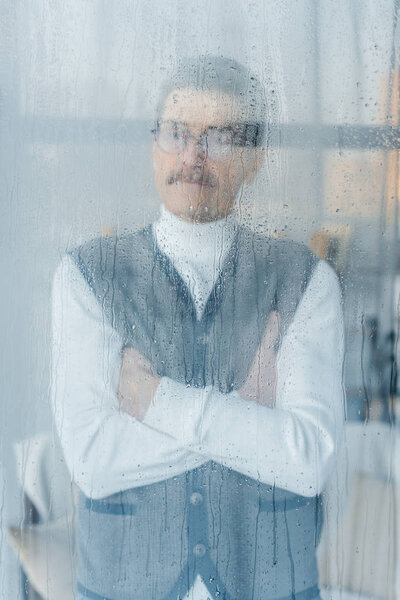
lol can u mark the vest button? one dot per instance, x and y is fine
(199, 550)
(196, 498)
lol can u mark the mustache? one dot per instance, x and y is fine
(202, 179)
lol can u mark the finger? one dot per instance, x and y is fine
(260, 384)
(132, 358)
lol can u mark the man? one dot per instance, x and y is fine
(197, 373)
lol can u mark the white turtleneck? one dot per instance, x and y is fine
(197, 250)
(292, 445)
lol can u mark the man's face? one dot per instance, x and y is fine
(199, 178)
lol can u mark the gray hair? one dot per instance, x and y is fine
(221, 74)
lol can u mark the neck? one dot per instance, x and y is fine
(185, 222)
(189, 237)
(200, 218)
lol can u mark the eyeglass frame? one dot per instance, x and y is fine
(254, 142)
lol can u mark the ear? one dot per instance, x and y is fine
(155, 150)
(254, 163)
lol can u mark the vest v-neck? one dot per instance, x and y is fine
(184, 295)
(195, 256)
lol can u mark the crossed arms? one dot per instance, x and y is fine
(292, 444)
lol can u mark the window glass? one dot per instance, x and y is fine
(200, 315)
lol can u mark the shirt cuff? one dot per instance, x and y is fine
(177, 410)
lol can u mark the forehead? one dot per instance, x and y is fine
(199, 107)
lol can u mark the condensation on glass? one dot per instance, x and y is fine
(200, 320)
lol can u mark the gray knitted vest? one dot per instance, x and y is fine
(246, 539)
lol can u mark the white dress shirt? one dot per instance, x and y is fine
(292, 445)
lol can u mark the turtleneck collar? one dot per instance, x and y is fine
(194, 242)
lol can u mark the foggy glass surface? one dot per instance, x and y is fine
(80, 85)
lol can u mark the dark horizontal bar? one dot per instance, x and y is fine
(110, 508)
(87, 130)
(339, 136)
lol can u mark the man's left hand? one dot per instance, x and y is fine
(138, 383)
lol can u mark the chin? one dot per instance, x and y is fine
(198, 209)
(204, 214)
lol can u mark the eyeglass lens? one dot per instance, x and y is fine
(173, 137)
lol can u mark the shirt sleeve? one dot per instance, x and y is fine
(105, 450)
(294, 444)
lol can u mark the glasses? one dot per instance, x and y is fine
(216, 142)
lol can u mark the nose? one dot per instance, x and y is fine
(194, 152)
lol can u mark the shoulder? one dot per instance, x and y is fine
(101, 246)
(99, 257)
(324, 285)
(70, 293)
(320, 309)
(289, 255)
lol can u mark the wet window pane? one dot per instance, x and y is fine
(200, 229)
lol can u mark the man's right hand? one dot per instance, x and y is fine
(138, 383)
(260, 385)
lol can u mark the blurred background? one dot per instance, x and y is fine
(78, 87)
